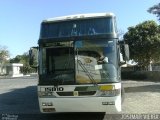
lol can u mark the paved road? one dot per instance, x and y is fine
(141, 97)
(19, 97)
(18, 101)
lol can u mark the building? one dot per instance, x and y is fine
(12, 70)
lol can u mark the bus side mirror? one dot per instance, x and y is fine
(33, 57)
(124, 52)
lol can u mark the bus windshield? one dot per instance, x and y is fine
(79, 62)
(96, 59)
(77, 27)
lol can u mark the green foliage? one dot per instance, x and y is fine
(24, 59)
(141, 75)
(155, 10)
(4, 54)
(132, 75)
(33, 54)
(144, 42)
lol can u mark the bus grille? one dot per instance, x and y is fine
(80, 93)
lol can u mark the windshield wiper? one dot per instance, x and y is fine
(87, 72)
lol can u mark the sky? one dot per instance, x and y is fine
(20, 19)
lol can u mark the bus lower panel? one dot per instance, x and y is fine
(110, 105)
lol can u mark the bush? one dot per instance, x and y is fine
(141, 75)
(133, 75)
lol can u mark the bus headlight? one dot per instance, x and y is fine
(47, 104)
(42, 94)
(108, 93)
(108, 90)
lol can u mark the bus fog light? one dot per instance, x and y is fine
(43, 104)
(47, 104)
(50, 104)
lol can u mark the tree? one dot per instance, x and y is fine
(4, 54)
(24, 59)
(120, 34)
(144, 42)
(155, 10)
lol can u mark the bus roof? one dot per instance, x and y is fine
(78, 16)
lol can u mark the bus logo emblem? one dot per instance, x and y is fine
(87, 60)
(55, 88)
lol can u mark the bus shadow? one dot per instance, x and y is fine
(71, 116)
(147, 88)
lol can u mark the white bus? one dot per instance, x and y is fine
(79, 64)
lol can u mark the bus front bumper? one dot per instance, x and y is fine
(110, 105)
